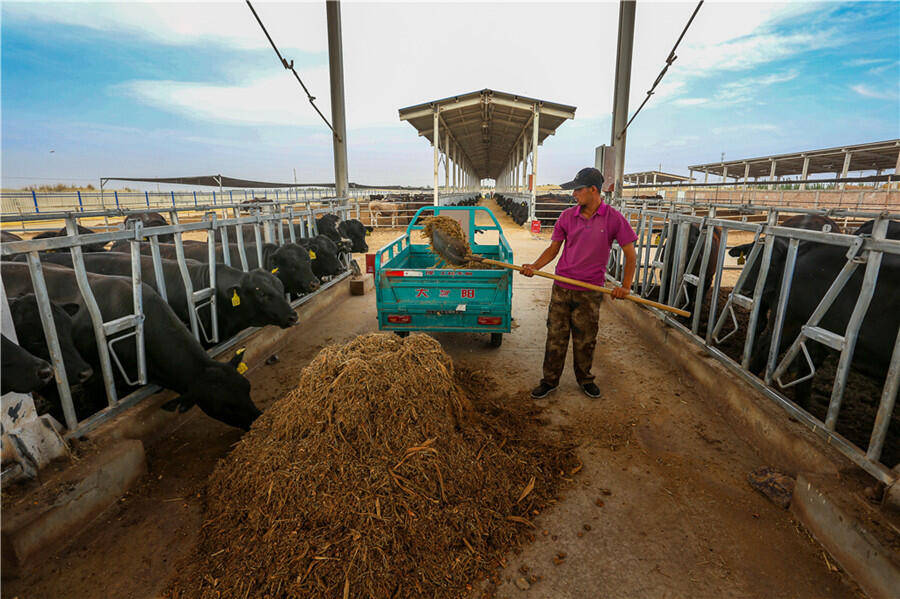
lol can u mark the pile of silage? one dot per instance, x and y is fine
(451, 229)
(376, 477)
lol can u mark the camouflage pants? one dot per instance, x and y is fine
(578, 312)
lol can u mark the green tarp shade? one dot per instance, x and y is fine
(208, 180)
(214, 181)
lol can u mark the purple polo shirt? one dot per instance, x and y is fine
(587, 243)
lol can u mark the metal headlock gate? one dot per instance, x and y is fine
(266, 219)
(657, 220)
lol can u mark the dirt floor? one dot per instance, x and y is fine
(661, 508)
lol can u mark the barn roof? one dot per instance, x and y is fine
(875, 156)
(487, 125)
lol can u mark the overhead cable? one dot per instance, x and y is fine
(669, 60)
(290, 66)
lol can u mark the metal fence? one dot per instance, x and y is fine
(848, 199)
(392, 210)
(670, 267)
(389, 207)
(266, 220)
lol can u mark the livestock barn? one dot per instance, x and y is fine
(252, 388)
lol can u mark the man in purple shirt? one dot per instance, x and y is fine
(588, 230)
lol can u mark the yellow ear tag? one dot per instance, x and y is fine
(275, 270)
(312, 255)
(235, 300)
(242, 368)
(368, 233)
(240, 351)
(741, 259)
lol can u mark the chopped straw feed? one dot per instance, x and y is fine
(385, 473)
(450, 228)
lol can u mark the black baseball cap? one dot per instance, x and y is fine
(585, 178)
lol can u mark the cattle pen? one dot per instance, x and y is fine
(657, 222)
(227, 396)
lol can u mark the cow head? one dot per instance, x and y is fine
(327, 225)
(27, 320)
(222, 393)
(22, 372)
(150, 219)
(355, 231)
(325, 262)
(260, 294)
(293, 266)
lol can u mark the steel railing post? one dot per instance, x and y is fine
(90, 303)
(59, 368)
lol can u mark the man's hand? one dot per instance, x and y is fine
(620, 292)
(528, 270)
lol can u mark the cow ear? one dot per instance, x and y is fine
(71, 308)
(180, 404)
(369, 229)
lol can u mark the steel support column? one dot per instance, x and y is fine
(805, 171)
(436, 158)
(846, 169)
(535, 129)
(336, 74)
(447, 160)
(623, 84)
(772, 173)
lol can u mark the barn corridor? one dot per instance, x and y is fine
(660, 508)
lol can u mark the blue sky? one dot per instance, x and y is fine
(155, 89)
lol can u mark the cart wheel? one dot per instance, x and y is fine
(402, 333)
(496, 339)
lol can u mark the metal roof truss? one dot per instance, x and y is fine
(486, 128)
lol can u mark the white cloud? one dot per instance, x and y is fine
(401, 54)
(690, 101)
(394, 56)
(868, 92)
(275, 99)
(864, 62)
(744, 90)
(295, 25)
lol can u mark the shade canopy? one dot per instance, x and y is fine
(876, 156)
(487, 126)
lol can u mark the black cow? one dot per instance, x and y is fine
(668, 265)
(27, 321)
(893, 230)
(810, 222)
(175, 360)
(815, 270)
(772, 286)
(327, 225)
(251, 299)
(356, 232)
(150, 219)
(7, 236)
(91, 247)
(21, 371)
(291, 263)
(324, 252)
(337, 230)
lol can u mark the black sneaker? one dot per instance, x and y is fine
(591, 390)
(542, 390)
